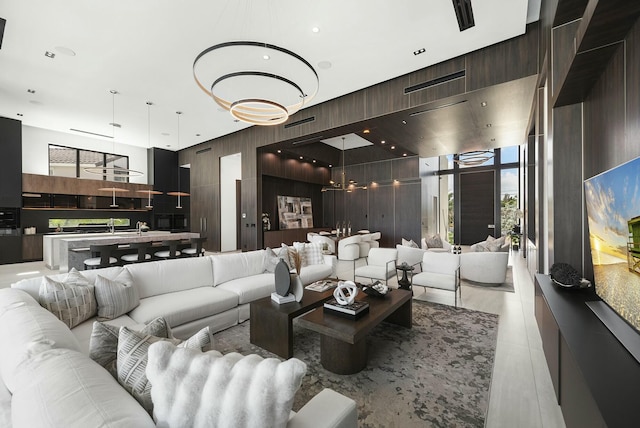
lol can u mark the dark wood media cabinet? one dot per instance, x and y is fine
(597, 381)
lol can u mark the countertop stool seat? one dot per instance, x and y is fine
(141, 254)
(171, 253)
(196, 249)
(101, 256)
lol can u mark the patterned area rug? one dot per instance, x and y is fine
(436, 374)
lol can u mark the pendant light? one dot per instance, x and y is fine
(149, 192)
(179, 193)
(343, 185)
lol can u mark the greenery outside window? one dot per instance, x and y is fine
(61, 223)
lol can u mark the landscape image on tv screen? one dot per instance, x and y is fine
(613, 210)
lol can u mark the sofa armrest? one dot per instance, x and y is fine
(327, 409)
(331, 260)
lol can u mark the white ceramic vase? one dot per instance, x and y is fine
(296, 287)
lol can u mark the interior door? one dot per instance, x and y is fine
(477, 206)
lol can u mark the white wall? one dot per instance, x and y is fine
(35, 150)
(230, 171)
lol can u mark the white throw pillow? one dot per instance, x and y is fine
(72, 300)
(103, 344)
(434, 241)
(116, 296)
(271, 259)
(313, 254)
(210, 389)
(133, 355)
(409, 243)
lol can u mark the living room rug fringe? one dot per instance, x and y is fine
(436, 374)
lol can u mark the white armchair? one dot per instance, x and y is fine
(485, 267)
(441, 271)
(364, 244)
(381, 264)
(411, 256)
(374, 241)
(348, 248)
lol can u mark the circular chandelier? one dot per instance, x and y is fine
(258, 83)
(474, 158)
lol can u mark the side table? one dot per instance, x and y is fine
(404, 282)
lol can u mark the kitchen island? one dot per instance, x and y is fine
(70, 250)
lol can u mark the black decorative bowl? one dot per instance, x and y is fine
(370, 291)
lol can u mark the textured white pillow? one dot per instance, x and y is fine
(192, 389)
(72, 300)
(409, 243)
(313, 254)
(103, 345)
(271, 259)
(132, 360)
(116, 296)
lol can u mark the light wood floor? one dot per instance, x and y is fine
(521, 392)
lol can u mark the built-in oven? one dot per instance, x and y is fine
(9, 221)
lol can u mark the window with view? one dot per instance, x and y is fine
(70, 162)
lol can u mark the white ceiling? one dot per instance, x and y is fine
(145, 50)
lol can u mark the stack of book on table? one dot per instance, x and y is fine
(322, 285)
(354, 310)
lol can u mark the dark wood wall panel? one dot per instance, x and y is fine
(440, 91)
(272, 187)
(356, 209)
(386, 97)
(633, 90)
(504, 61)
(381, 214)
(477, 204)
(378, 171)
(604, 119)
(405, 168)
(407, 202)
(563, 51)
(567, 186)
(11, 171)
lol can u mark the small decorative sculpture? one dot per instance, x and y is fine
(346, 292)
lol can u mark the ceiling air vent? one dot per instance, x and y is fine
(199, 152)
(434, 82)
(2, 24)
(464, 13)
(300, 122)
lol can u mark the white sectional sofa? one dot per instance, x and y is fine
(64, 387)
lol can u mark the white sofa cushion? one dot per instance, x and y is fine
(411, 256)
(313, 273)
(167, 276)
(251, 287)
(72, 299)
(116, 296)
(184, 306)
(5, 406)
(23, 321)
(64, 388)
(486, 267)
(236, 265)
(206, 390)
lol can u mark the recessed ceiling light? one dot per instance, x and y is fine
(301, 158)
(488, 125)
(493, 139)
(279, 151)
(316, 29)
(266, 57)
(168, 145)
(49, 54)
(366, 131)
(197, 135)
(330, 166)
(324, 65)
(419, 51)
(20, 114)
(393, 147)
(314, 161)
(383, 142)
(483, 104)
(31, 91)
(404, 122)
(166, 134)
(404, 154)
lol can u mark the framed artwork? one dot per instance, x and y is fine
(295, 212)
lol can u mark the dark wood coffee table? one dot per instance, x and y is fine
(343, 342)
(271, 325)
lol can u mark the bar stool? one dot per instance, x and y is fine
(101, 256)
(171, 253)
(140, 256)
(196, 249)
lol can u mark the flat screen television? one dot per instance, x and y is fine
(613, 212)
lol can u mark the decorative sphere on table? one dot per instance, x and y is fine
(346, 292)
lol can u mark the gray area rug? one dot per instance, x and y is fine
(436, 374)
(506, 286)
